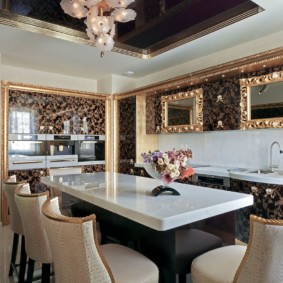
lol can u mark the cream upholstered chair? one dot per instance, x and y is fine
(79, 258)
(37, 244)
(260, 262)
(9, 187)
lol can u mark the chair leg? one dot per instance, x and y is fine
(30, 270)
(23, 261)
(182, 278)
(14, 253)
(45, 277)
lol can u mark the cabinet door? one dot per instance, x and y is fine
(26, 112)
(222, 117)
(153, 114)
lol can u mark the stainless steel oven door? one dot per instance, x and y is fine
(62, 161)
(22, 162)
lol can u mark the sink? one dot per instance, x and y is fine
(262, 171)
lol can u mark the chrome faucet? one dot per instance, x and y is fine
(280, 151)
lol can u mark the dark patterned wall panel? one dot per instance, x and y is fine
(223, 117)
(268, 203)
(29, 102)
(32, 177)
(219, 99)
(153, 114)
(127, 138)
(93, 168)
(50, 111)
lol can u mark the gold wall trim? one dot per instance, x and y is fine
(247, 64)
(198, 126)
(4, 151)
(245, 84)
(53, 90)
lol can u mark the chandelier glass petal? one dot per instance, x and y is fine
(100, 18)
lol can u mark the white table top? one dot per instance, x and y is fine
(130, 196)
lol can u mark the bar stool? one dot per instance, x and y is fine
(79, 258)
(259, 262)
(37, 244)
(9, 187)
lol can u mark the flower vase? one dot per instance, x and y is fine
(152, 172)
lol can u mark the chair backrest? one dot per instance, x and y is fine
(30, 208)
(263, 260)
(64, 171)
(9, 187)
(76, 252)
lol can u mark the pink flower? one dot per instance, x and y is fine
(166, 178)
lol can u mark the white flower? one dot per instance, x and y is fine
(177, 173)
(183, 164)
(185, 159)
(177, 163)
(165, 155)
(160, 161)
(172, 174)
(170, 166)
(166, 161)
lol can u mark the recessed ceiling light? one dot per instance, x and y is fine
(128, 73)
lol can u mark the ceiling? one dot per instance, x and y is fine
(49, 51)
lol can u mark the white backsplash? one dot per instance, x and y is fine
(243, 149)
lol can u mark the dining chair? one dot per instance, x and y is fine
(9, 187)
(37, 244)
(260, 262)
(79, 258)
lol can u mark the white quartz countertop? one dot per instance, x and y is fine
(244, 174)
(130, 196)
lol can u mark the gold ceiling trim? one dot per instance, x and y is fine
(53, 30)
(247, 64)
(53, 90)
(57, 31)
(207, 31)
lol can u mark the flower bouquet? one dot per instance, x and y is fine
(169, 165)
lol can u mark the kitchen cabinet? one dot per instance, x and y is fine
(127, 133)
(35, 112)
(267, 203)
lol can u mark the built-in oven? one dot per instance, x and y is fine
(61, 151)
(26, 151)
(90, 149)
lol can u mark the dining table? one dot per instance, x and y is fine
(156, 218)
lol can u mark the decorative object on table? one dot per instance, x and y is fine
(100, 17)
(167, 166)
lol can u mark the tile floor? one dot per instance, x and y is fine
(6, 240)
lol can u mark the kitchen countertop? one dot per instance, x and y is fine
(244, 174)
(130, 196)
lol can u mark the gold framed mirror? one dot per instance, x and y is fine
(182, 112)
(262, 101)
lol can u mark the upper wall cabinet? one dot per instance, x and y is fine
(182, 112)
(36, 112)
(262, 101)
(221, 105)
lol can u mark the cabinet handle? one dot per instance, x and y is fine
(219, 98)
(219, 124)
(26, 162)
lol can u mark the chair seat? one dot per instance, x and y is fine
(218, 266)
(139, 269)
(191, 243)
